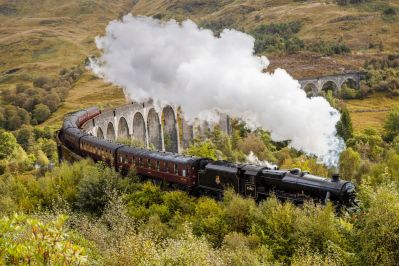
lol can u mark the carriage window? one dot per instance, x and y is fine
(176, 169)
(140, 161)
(121, 159)
(184, 172)
(149, 163)
(158, 165)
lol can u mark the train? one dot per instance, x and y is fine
(204, 176)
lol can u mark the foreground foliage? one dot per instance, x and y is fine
(117, 220)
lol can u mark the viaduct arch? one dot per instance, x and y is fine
(316, 85)
(156, 127)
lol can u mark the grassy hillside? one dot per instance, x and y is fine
(40, 37)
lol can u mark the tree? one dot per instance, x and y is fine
(25, 137)
(205, 149)
(41, 158)
(52, 101)
(391, 125)
(349, 163)
(41, 112)
(368, 143)
(344, 126)
(8, 144)
(251, 143)
(13, 117)
(49, 147)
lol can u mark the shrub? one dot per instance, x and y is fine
(41, 112)
(391, 125)
(389, 11)
(204, 149)
(328, 48)
(209, 221)
(348, 93)
(349, 164)
(31, 241)
(347, 2)
(52, 101)
(12, 117)
(277, 37)
(375, 230)
(8, 144)
(218, 25)
(25, 137)
(41, 82)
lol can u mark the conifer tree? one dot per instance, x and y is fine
(344, 126)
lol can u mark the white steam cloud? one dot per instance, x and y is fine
(188, 66)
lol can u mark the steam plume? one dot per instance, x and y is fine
(188, 66)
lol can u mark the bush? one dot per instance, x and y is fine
(375, 230)
(41, 112)
(389, 11)
(348, 93)
(349, 164)
(205, 149)
(369, 144)
(325, 48)
(42, 82)
(26, 137)
(12, 117)
(347, 2)
(8, 144)
(31, 241)
(277, 37)
(391, 125)
(383, 74)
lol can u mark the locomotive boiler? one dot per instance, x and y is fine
(203, 176)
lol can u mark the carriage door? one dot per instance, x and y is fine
(250, 188)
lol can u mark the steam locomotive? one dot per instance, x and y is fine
(203, 176)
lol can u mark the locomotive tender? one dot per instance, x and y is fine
(203, 176)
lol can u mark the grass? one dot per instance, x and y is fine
(372, 111)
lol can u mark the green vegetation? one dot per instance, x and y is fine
(148, 226)
(324, 48)
(277, 37)
(116, 220)
(344, 126)
(382, 75)
(25, 105)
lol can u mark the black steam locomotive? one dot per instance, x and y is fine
(203, 176)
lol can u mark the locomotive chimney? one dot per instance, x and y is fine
(335, 177)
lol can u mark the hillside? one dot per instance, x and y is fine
(40, 37)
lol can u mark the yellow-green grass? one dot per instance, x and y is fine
(372, 111)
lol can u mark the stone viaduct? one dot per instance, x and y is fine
(161, 128)
(314, 86)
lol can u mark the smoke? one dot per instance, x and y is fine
(253, 159)
(188, 66)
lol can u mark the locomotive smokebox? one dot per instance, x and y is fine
(335, 177)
